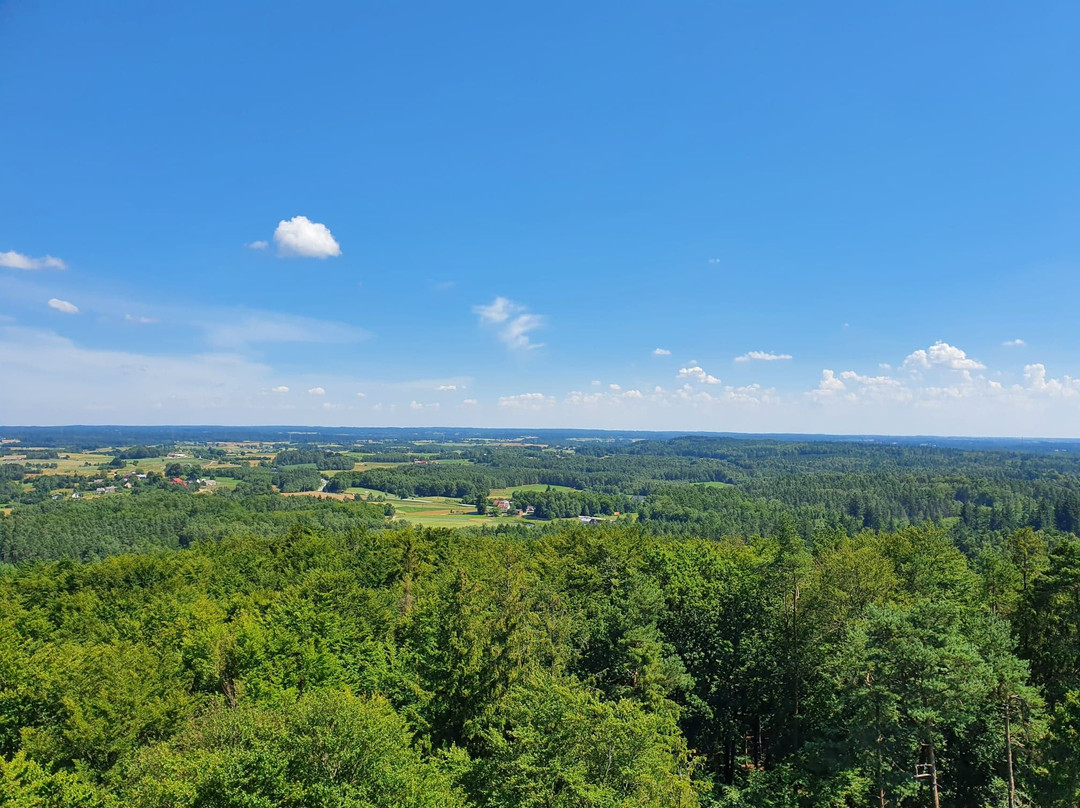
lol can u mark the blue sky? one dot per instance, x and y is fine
(827, 217)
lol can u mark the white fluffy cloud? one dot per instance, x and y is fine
(828, 387)
(1014, 343)
(661, 352)
(446, 388)
(696, 374)
(870, 381)
(317, 391)
(941, 355)
(851, 386)
(279, 389)
(299, 237)
(958, 400)
(762, 356)
(15, 260)
(1037, 381)
(63, 306)
(512, 321)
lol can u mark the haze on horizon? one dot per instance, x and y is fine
(859, 220)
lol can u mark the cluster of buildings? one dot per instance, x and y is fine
(505, 506)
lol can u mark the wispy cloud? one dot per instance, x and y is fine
(762, 356)
(281, 388)
(14, 260)
(512, 321)
(299, 237)
(259, 245)
(50, 379)
(527, 401)
(497, 311)
(237, 330)
(661, 352)
(1014, 343)
(63, 306)
(131, 318)
(317, 391)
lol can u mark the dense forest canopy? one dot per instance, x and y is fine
(754, 622)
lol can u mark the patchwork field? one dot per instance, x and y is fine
(68, 463)
(87, 462)
(434, 511)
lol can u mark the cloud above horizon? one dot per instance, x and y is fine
(696, 374)
(942, 390)
(941, 355)
(299, 237)
(527, 401)
(14, 260)
(661, 352)
(762, 356)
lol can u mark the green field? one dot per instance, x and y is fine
(434, 511)
(370, 493)
(364, 465)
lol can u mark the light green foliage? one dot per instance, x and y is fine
(102, 701)
(26, 784)
(557, 744)
(328, 750)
